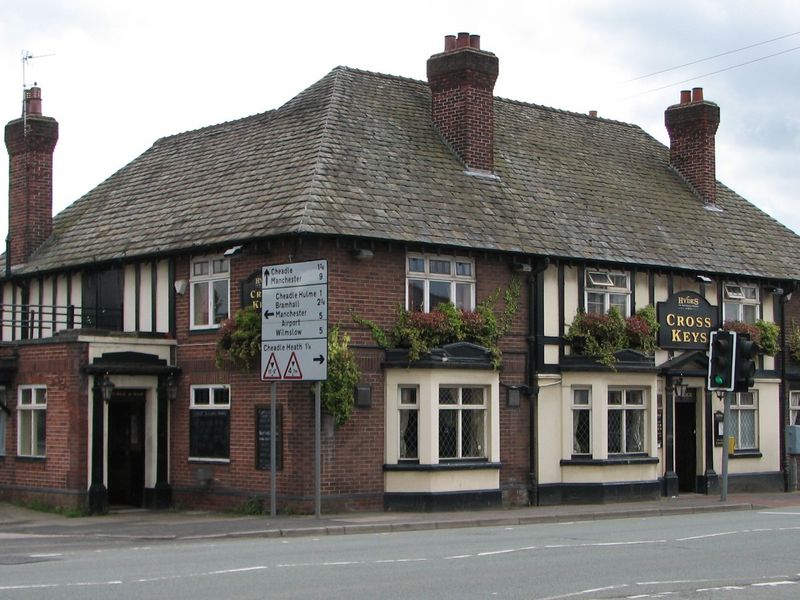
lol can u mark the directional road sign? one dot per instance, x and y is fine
(294, 324)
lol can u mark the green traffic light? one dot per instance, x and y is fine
(718, 379)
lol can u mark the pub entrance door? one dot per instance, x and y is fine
(686, 441)
(126, 413)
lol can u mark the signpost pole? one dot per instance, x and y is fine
(726, 433)
(318, 450)
(272, 448)
(294, 344)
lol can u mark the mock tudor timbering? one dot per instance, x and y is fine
(110, 390)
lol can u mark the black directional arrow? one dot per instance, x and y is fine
(320, 359)
(268, 314)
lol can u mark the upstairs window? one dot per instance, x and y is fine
(740, 303)
(606, 290)
(210, 283)
(102, 293)
(433, 280)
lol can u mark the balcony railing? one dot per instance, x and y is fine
(36, 321)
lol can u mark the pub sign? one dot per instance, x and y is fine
(685, 320)
(251, 290)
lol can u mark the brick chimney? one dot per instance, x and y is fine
(30, 141)
(462, 83)
(692, 125)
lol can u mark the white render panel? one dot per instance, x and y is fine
(162, 296)
(129, 298)
(442, 481)
(145, 297)
(551, 301)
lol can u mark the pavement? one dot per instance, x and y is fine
(141, 524)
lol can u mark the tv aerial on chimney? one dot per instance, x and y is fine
(26, 56)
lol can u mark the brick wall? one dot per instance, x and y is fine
(61, 477)
(352, 455)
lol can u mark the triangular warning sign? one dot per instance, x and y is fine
(272, 371)
(293, 369)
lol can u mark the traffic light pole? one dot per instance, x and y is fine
(726, 436)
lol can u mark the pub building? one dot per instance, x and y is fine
(424, 198)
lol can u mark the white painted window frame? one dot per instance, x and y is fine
(459, 407)
(625, 407)
(734, 301)
(426, 276)
(581, 407)
(212, 405)
(35, 409)
(601, 282)
(208, 280)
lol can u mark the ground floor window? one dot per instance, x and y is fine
(581, 422)
(209, 422)
(2, 431)
(626, 421)
(442, 416)
(794, 408)
(32, 420)
(462, 422)
(744, 417)
(409, 422)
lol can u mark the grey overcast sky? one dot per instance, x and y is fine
(119, 75)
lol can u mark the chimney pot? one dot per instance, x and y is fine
(697, 94)
(475, 42)
(686, 96)
(33, 101)
(592, 113)
(449, 43)
(463, 40)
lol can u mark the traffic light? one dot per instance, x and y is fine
(721, 360)
(745, 363)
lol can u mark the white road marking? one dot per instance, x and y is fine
(708, 535)
(43, 586)
(584, 592)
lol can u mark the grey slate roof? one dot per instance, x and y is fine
(355, 154)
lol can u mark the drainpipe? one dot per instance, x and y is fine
(535, 325)
(787, 464)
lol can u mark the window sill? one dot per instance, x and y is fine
(202, 330)
(746, 454)
(216, 461)
(446, 466)
(24, 458)
(580, 461)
